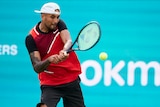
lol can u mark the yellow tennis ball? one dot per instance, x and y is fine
(103, 56)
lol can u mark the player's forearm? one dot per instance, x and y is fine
(67, 45)
(41, 66)
(66, 38)
(38, 65)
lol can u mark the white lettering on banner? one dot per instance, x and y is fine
(113, 72)
(8, 50)
(97, 76)
(144, 72)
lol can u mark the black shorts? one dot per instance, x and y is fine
(70, 93)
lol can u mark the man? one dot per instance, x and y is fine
(41, 105)
(58, 72)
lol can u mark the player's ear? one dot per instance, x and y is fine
(43, 15)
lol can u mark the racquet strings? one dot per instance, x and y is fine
(89, 36)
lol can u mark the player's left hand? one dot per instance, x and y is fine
(62, 55)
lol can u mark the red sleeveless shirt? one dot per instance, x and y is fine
(56, 74)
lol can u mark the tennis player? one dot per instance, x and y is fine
(58, 73)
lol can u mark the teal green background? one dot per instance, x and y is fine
(130, 33)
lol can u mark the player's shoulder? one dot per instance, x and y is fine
(29, 37)
(61, 22)
(62, 25)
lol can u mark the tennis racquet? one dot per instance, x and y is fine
(87, 38)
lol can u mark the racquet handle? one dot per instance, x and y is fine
(68, 51)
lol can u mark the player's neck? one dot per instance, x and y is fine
(42, 28)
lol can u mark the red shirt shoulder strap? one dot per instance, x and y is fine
(34, 32)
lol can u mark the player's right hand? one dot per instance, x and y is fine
(54, 59)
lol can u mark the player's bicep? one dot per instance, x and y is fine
(65, 35)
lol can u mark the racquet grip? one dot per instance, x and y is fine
(67, 52)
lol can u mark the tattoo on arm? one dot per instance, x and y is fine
(38, 65)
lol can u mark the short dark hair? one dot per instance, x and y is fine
(40, 104)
